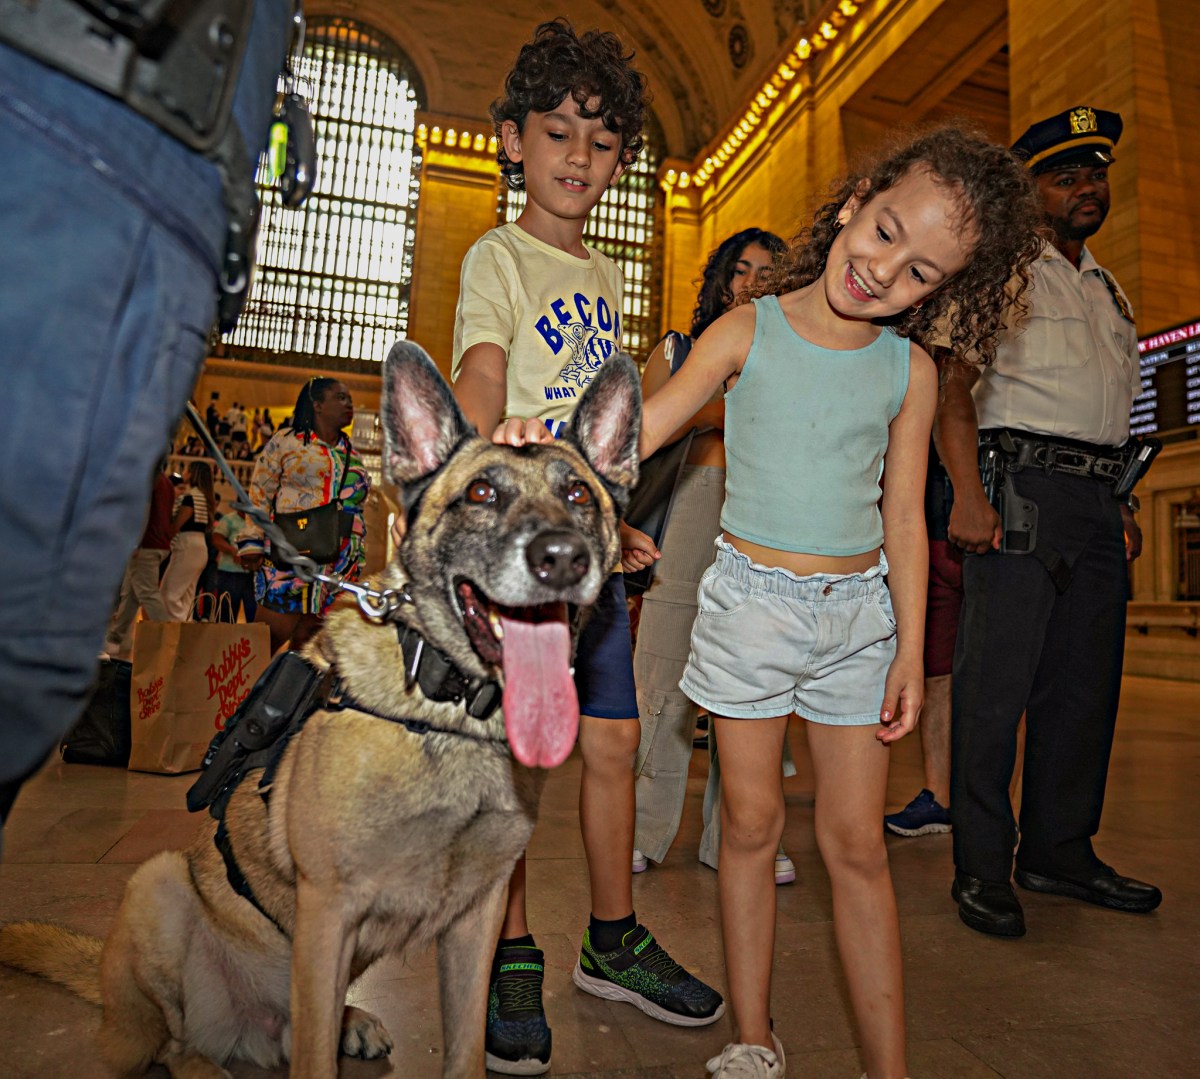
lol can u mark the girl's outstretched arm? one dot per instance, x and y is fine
(718, 354)
(655, 375)
(906, 544)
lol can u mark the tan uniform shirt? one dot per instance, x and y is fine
(1070, 368)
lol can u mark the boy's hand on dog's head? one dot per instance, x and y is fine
(518, 432)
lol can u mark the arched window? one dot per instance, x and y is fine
(622, 226)
(332, 279)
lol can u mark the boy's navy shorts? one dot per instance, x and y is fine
(604, 657)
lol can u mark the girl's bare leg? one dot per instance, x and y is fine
(751, 826)
(850, 768)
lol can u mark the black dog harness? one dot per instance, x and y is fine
(276, 709)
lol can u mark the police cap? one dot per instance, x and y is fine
(1072, 139)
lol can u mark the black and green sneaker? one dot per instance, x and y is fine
(518, 1039)
(641, 973)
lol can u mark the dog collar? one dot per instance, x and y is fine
(441, 679)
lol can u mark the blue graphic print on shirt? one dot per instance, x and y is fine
(580, 324)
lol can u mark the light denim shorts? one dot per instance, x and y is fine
(766, 642)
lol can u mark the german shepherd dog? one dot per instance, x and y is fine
(380, 836)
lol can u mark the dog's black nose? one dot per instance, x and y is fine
(558, 558)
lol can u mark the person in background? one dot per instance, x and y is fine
(238, 427)
(140, 589)
(233, 579)
(206, 583)
(191, 521)
(928, 812)
(309, 464)
(121, 230)
(1043, 629)
(740, 266)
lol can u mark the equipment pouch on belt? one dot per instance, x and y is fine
(176, 62)
(1139, 455)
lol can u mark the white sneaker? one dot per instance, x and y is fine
(739, 1061)
(640, 861)
(785, 868)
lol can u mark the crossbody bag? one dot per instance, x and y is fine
(318, 532)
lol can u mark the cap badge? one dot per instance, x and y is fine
(1083, 121)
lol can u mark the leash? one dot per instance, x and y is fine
(377, 606)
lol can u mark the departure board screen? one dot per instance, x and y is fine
(1170, 396)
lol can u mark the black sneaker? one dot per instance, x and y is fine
(518, 1039)
(641, 973)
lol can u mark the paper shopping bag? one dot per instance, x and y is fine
(188, 679)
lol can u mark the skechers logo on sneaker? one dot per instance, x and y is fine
(505, 967)
(638, 949)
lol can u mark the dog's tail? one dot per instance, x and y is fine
(55, 952)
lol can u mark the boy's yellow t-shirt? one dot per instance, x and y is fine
(557, 317)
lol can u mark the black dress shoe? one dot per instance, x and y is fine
(1104, 888)
(988, 907)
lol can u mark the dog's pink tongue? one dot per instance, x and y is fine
(541, 708)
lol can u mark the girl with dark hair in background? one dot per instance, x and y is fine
(304, 467)
(191, 521)
(740, 267)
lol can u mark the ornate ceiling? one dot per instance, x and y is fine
(702, 57)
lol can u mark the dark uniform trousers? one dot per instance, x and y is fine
(1024, 647)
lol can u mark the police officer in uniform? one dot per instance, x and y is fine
(129, 133)
(1043, 622)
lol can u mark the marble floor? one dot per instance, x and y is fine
(1087, 994)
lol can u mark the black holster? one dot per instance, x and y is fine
(288, 691)
(999, 461)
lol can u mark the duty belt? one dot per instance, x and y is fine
(177, 65)
(1025, 450)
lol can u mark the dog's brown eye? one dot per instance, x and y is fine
(481, 492)
(579, 494)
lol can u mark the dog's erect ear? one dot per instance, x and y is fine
(422, 423)
(607, 423)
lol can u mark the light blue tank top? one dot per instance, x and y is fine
(806, 429)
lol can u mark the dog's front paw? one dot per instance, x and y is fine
(363, 1035)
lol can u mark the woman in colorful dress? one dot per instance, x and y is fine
(303, 467)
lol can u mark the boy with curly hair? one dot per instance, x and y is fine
(538, 314)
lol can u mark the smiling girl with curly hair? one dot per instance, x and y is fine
(816, 602)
